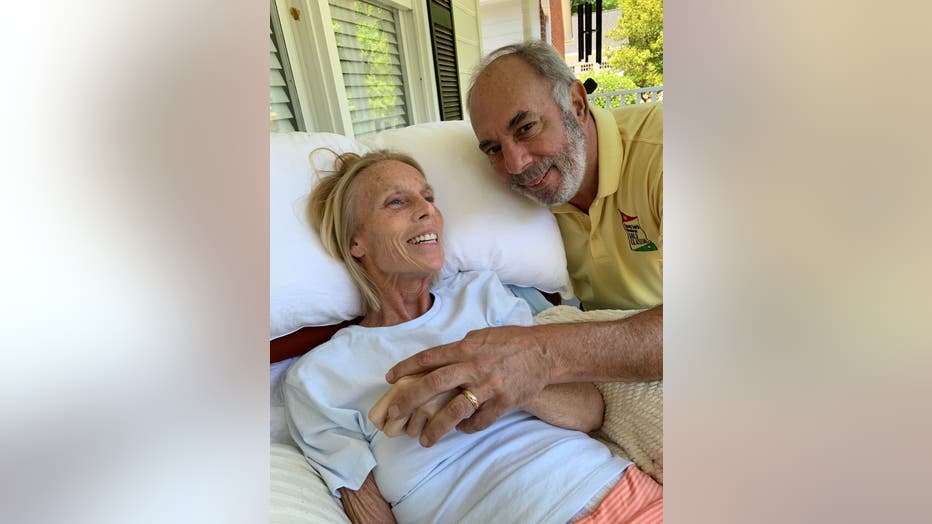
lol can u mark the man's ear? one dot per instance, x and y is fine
(579, 101)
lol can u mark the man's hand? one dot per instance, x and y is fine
(504, 367)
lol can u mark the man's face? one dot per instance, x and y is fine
(534, 147)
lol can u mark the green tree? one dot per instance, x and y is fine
(641, 29)
(607, 5)
(375, 49)
(608, 82)
(370, 46)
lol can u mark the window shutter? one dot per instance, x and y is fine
(284, 113)
(370, 59)
(443, 40)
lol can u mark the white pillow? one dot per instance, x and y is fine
(487, 226)
(307, 287)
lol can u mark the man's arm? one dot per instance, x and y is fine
(626, 350)
(366, 505)
(509, 366)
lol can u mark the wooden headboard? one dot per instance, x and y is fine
(308, 338)
(304, 340)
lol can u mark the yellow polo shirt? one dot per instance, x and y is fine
(614, 253)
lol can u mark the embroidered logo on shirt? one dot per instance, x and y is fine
(637, 239)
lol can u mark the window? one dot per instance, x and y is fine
(362, 66)
(284, 113)
(368, 46)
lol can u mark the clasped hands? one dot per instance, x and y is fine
(503, 367)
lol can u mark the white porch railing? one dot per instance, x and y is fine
(628, 96)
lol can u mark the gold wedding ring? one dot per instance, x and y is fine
(471, 398)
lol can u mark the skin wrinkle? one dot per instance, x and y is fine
(366, 504)
(395, 245)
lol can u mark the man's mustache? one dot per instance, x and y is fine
(534, 171)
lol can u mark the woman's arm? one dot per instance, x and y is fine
(575, 405)
(366, 505)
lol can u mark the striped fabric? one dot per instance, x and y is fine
(636, 499)
(298, 494)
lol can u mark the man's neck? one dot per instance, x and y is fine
(589, 188)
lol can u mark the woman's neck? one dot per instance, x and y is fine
(401, 302)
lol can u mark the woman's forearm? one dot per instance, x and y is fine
(576, 405)
(366, 505)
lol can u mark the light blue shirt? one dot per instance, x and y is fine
(520, 469)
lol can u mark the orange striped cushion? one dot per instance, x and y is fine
(636, 499)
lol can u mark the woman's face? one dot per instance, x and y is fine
(399, 228)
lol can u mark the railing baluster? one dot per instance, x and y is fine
(640, 96)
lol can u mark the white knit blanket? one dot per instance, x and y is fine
(633, 425)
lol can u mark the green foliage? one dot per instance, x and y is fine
(369, 53)
(374, 46)
(607, 5)
(608, 82)
(641, 26)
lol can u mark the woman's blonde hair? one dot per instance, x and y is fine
(331, 210)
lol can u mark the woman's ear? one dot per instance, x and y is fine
(356, 249)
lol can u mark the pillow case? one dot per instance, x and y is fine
(307, 287)
(486, 225)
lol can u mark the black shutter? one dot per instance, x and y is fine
(443, 41)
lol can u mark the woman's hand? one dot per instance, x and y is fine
(413, 425)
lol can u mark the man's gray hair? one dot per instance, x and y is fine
(544, 59)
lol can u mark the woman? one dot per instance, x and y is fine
(377, 215)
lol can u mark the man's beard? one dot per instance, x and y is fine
(570, 163)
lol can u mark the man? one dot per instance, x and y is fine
(601, 172)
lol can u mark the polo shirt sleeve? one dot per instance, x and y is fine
(657, 202)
